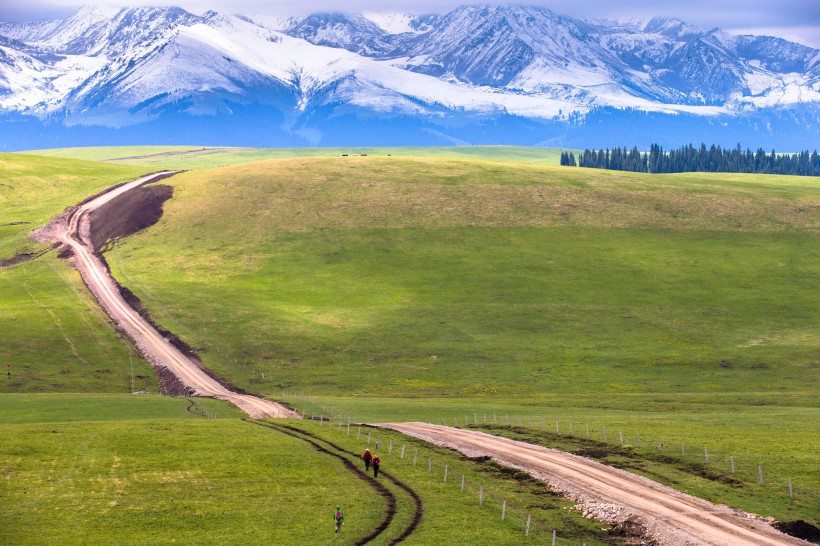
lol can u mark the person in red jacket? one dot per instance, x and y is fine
(368, 458)
(376, 462)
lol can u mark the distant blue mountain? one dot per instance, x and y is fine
(475, 75)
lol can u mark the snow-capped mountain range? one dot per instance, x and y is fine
(475, 74)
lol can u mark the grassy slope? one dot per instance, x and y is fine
(144, 470)
(314, 286)
(665, 304)
(52, 333)
(191, 157)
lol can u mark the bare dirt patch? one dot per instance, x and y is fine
(22, 258)
(133, 211)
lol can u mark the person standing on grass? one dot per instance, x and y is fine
(368, 458)
(339, 518)
(376, 462)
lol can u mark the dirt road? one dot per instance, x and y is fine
(74, 233)
(668, 517)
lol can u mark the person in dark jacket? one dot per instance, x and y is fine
(376, 462)
(368, 458)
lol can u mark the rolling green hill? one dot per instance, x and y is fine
(677, 307)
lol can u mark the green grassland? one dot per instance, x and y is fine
(145, 470)
(35, 189)
(197, 157)
(416, 277)
(52, 333)
(679, 307)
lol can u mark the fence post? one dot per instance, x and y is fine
(732, 459)
(348, 426)
(415, 456)
(760, 473)
(503, 509)
(402, 452)
(638, 438)
(587, 430)
(494, 421)
(390, 449)
(556, 428)
(553, 537)
(429, 465)
(368, 437)
(445, 473)
(790, 489)
(527, 531)
(321, 420)
(621, 437)
(462, 483)
(358, 434)
(475, 418)
(682, 449)
(481, 495)
(706, 455)
(570, 428)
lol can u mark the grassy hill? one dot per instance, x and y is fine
(664, 305)
(680, 308)
(53, 335)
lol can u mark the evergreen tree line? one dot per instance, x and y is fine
(690, 159)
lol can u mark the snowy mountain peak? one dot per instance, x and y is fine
(121, 67)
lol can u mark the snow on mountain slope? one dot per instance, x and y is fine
(240, 58)
(29, 31)
(395, 23)
(123, 66)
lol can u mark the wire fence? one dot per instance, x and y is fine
(471, 490)
(709, 462)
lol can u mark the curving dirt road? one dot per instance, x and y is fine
(668, 516)
(74, 233)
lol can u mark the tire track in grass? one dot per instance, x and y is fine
(418, 509)
(386, 494)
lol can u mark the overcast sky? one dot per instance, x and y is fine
(796, 20)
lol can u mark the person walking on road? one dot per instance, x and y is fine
(376, 462)
(368, 458)
(339, 518)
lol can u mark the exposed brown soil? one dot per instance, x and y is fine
(800, 529)
(133, 211)
(22, 258)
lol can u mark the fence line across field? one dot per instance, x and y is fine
(724, 466)
(485, 498)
